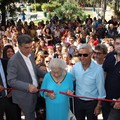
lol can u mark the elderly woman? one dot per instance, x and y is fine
(58, 80)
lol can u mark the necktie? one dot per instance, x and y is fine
(2, 93)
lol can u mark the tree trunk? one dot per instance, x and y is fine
(103, 6)
(3, 11)
(116, 8)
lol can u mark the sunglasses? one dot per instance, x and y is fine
(84, 55)
(47, 61)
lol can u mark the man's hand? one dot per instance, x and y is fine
(1, 88)
(32, 88)
(97, 110)
(117, 105)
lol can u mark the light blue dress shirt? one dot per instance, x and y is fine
(3, 77)
(90, 82)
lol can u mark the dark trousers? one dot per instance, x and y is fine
(40, 108)
(28, 108)
(85, 108)
(106, 107)
(10, 109)
(114, 114)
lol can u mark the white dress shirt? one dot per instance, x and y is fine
(30, 68)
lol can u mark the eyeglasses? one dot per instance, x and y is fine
(47, 61)
(84, 55)
(98, 53)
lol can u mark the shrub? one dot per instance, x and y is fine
(55, 5)
(50, 6)
(37, 6)
(70, 11)
(45, 7)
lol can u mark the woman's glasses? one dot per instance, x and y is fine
(98, 53)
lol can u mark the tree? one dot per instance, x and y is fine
(3, 7)
(117, 7)
(70, 11)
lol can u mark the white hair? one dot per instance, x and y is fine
(86, 46)
(57, 63)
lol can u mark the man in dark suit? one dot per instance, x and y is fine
(10, 109)
(22, 75)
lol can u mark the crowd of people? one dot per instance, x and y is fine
(61, 56)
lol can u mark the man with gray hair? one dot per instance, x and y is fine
(22, 75)
(89, 79)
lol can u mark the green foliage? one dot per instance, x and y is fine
(37, 6)
(55, 4)
(45, 7)
(50, 6)
(70, 11)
